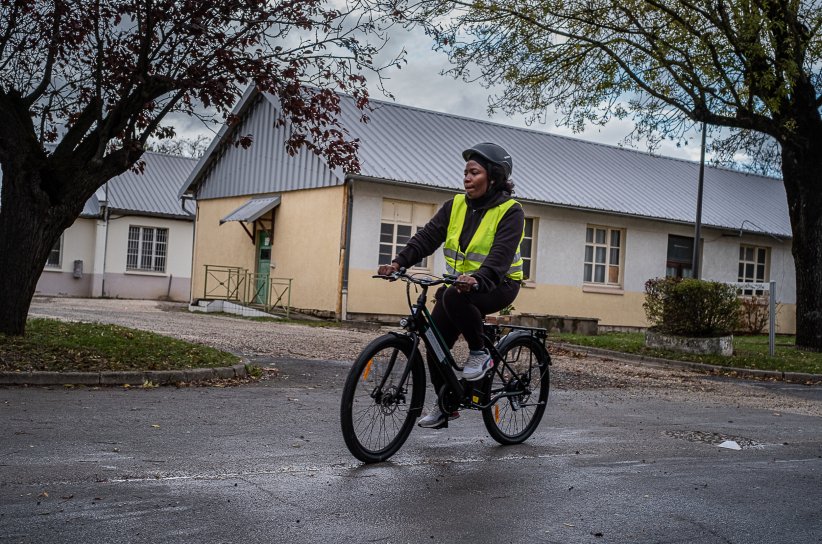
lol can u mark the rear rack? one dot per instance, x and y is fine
(494, 331)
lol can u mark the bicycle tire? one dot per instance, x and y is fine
(505, 422)
(374, 428)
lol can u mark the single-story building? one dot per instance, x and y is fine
(600, 220)
(132, 240)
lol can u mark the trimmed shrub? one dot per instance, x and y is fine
(689, 307)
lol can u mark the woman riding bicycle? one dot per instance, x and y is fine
(481, 231)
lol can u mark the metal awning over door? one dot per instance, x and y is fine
(253, 211)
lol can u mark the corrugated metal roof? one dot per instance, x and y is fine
(152, 192)
(422, 147)
(408, 144)
(227, 170)
(252, 210)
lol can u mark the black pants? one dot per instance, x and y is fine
(458, 313)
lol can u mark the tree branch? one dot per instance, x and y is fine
(54, 38)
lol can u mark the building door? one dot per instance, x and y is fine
(263, 267)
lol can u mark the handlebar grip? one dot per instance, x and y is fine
(394, 276)
(452, 278)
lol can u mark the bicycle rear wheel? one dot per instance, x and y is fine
(382, 397)
(513, 418)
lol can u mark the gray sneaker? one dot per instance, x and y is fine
(436, 417)
(477, 365)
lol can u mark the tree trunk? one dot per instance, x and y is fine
(801, 165)
(30, 225)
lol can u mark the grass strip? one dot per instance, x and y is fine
(60, 346)
(749, 351)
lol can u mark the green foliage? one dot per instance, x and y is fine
(691, 307)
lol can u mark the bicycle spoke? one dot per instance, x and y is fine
(521, 386)
(377, 404)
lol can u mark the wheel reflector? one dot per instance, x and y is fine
(496, 413)
(367, 369)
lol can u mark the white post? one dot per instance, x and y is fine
(98, 282)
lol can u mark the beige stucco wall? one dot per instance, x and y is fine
(216, 244)
(78, 244)
(305, 245)
(557, 287)
(86, 240)
(307, 239)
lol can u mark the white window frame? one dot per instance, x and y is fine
(401, 213)
(147, 253)
(58, 248)
(592, 261)
(531, 258)
(754, 266)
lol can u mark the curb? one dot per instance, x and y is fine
(136, 377)
(792, 377)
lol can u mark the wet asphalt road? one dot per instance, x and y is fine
(265, 462)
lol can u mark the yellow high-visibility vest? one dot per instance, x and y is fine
(459, 262)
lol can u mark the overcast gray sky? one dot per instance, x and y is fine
(420, 84)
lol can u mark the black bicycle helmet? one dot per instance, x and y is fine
(493, 154)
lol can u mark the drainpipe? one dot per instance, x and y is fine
(346, 249)
(105, 245)
(183, 199)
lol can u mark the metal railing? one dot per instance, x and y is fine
(224, 282)
(239, 285)
(281, 287)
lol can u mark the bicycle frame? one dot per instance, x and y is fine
(420, 325)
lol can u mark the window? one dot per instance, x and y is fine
(603, 263)
(400, 221)
(680, 257)
(147, 249)
(753, 263)
(55, 255)
(526, 249)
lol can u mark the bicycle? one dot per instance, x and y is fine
(385, 389)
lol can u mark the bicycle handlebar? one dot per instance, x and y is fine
(427, 281)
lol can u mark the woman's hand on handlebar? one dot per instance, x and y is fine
(466, 283)
(388, 269)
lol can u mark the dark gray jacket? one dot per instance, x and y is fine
(506, 240)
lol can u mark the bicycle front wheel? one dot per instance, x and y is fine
(382, 397)
(521, 386)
